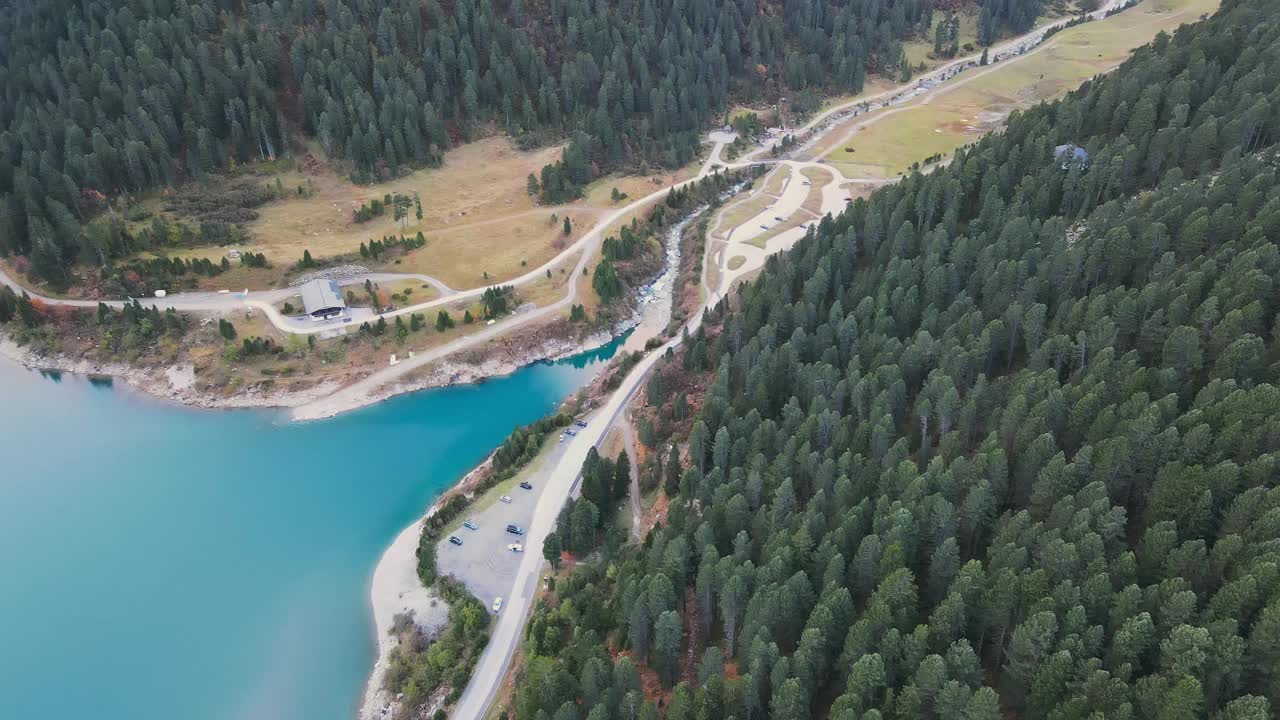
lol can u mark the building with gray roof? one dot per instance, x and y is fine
(323, 299)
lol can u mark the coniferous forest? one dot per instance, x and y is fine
(997, 442)
(100, 99)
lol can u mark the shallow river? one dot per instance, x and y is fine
(158, 562)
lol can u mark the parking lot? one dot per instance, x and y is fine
(483, 562)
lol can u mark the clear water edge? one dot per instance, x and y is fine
(160, 561)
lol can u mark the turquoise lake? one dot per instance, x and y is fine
(160, 562)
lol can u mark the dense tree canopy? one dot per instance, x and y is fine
(101, 98)
(999, 441)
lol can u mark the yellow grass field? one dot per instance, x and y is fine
(918, 50)
(739, 212)
(736, 262)
(599, 193)
(547, 290)
(251, 322)
(818, 179)
(796, 219)
(873, 85)
(479, 181)
(477, 217)
(587, 297)
(776, 180)
(974, 103)
(504, 248)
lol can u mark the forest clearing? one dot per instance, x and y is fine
(480, 224)
(961, 112)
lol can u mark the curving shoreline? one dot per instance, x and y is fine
(393, 590)
(178, 383)
(174, 383)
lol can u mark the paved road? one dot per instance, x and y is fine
(263, 300)
(561, 480)
(483, 563)
(381, 277)
(495, 660)
(354, 394)
(357, 392)
(916, 87)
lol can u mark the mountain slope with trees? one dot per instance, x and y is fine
(1000, 441)
(106, 99)
(100, 99)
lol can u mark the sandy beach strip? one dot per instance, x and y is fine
(396, 589)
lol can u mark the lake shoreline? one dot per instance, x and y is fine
(395, 588)
(294, 550)
(178, 383)
(174, 383)
(395, 584)
(449, 371)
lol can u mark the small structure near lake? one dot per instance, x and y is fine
(323, 299)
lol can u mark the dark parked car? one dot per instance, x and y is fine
(515, 529)
(455, 539)
(580, 423)
(526, 486)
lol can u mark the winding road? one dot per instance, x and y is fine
(368, 387)
(496, 658)
(562, 479)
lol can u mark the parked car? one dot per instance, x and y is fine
(570, 433)
(561, 438)
(526, 485)
(470, 525)
(506, 499)
(497, 604)
(515, 529)
(775, 217)
(580, 423)
(515, 547)
(764, 227)
(455, 539)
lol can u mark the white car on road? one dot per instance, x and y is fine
(497, 604)
(516, 547)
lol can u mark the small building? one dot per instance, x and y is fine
(323, 299)
(1066, 154)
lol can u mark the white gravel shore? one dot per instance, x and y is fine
(396, 589)
(175, 383)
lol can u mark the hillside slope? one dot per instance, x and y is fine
(1000, 441)
(100, 99)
